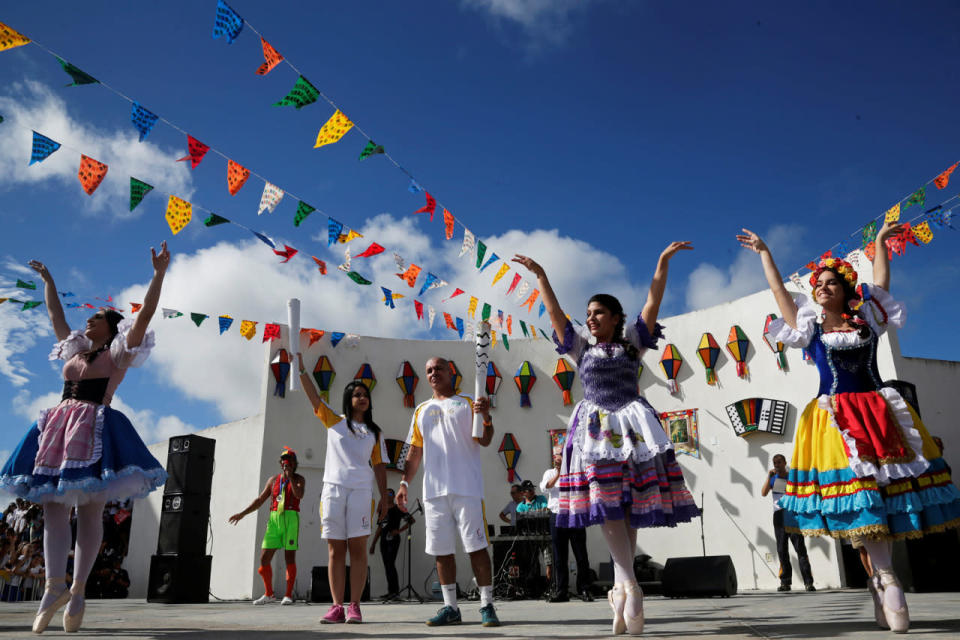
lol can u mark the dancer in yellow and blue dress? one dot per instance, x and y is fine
(864, 466)
(618, 468)
(82, 452)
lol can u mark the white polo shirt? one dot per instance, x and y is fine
(451, 457)
(350, 454)
(553, 493)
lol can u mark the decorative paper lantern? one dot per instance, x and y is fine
(510, 454)
(407, 379)
(493, 382)
(457, 376)
(525, 379)
(280, 365)
(563, 375)
(670, 362)
(324, 374)
(738, 345)
(709, 352)
(776, 347)
(365, 375)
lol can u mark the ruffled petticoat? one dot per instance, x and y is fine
(864, 465)
(620, 464)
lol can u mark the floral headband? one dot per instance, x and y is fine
(844, 268)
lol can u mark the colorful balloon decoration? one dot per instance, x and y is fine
(525, 379)
(738, 345)
(324, 374)
(457, 376)
(510, 454)
(709, 352)
(280, 365)
(670, 362)
(493, 382)
(365, 375)
(563, 375)
(776, 347)
(407, 379)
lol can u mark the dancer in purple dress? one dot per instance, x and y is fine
(618, 469)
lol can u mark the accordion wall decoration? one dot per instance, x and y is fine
(396, 453)
(753, 415)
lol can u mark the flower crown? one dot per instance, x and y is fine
(844, 268)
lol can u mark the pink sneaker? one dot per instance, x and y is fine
(353, 614)
(334, 615)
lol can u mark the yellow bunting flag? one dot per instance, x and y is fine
(493, 338)
(350, 235)
(503, 270)
(10, 38)
(248, 329)
(893, 213)
(91, 174)
(334, 129)
(923, 232)
(472, 309)
(179, 214)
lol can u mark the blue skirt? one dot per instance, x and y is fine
(126, 469)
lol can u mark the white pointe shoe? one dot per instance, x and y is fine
(876, 590)
(71, 623)
(616, 597)
(43, 618)
(634, 623)
(897, 619)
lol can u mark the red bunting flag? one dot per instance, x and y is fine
(430, 207)
(370, 251)
(272, 59)
(513, 285)
(321, 265)
(135, 306)
(91, 174)
(287, 253)
(196, 150)
(315, 335)
(418, 306)
(944, 178)
(236, 176)
(449, 320)
(812, 266)
(907, 235)
(456, 293)
(448, 223)
(827, 254)
(271, 332)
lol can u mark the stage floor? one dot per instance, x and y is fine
(754, 614)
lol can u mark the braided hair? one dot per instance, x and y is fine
(348, 408)
(853, 317)
(613, 306)
(113, 321)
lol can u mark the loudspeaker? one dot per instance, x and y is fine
(699, 576)
(179, 579)
(183, 524)
(189, 465)
(320, 586)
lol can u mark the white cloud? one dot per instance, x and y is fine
(547, 23)
(709, 285)
(19, 332)
(33, 105)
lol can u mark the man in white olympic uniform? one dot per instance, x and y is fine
(441, 437)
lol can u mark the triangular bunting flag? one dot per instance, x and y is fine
(510, 324)
(30, 304)
(334, 228)
(459, 326)
(413, 187)
(448, 223)
(198, 318)
(481, 250)
(500, 273)
(493, 258)
(388, 297)
(418, 308)
(448, 319)
(272, 194)
(432, 282)
(315, 335)
(302, 94)
(513, 285)
(135, 306)
(79, 77)
(522, 290)
(196, 150)
(42, 147)
(456, 293)
(213, 220)
(236, 176)
(893, 213)
(371, 251)
(410, 275)
(523, 328)
(270, 332)
(485, 312)
(91, 174)
(335, 338)
(348, 236)
(371, 149)
(543, 308)
(472, 307)
(303, 210)
(10, 38)
(506, 341)
(468, 242)
(944, 178)
(287, 253)
(431, 316)
(225, 322)
(26, 285)
(271, 58)
(248, 329)
(923, 232)
(321, 265)
(345, 267)
(917, 197)
(430, 207)
(227, 23)
(334, 129)
(138, 189)
(170, 313)
(532, 299)
(179, 213)
(142, 119)
(359, 279)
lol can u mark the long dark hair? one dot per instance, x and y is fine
(613, 306)
(113, 321)
(348, 408)
(854, 317)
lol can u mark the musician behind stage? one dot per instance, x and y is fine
(388, 533)
(533, 506)
(560, 537)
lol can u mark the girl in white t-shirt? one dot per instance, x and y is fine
(354, 461)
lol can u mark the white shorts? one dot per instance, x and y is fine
(445, 516)
(345, 513)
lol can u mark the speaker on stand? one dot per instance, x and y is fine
(180, 571)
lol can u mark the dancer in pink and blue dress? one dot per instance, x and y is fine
(618, 469)
(864, 467)
(82, 453)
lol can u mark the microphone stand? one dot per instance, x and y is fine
(411, 593)
(703, 539)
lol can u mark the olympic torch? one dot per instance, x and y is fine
(480, 381)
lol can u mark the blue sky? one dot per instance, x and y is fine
(588, 134)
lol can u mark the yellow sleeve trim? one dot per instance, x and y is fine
(375, 454)
(416, 440)
(327, 415)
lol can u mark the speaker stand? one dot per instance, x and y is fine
(411, 593)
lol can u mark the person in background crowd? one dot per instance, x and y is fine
(388, 533)
(509, 513)
(561, 539)
(776, 485)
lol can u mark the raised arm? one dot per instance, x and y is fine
(54, 309)
(328, 416)
(659, 284)
(557, 317)
(160, 263)
(881, 261)
(788, 308)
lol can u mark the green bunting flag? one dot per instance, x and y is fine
(372, 148)
(506, 341)
(481, 250)
(917, 197)
(30, 304)
(303, 210)
(198, 318)
(359, 279)
(869, 233)
(213, 220)
(485, 314)
(138, 189)
(26, 285)
(79, 77)
(302, 94)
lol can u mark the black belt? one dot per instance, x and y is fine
(90, 390)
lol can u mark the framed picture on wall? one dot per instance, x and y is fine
(558, 438)
(683, 430)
